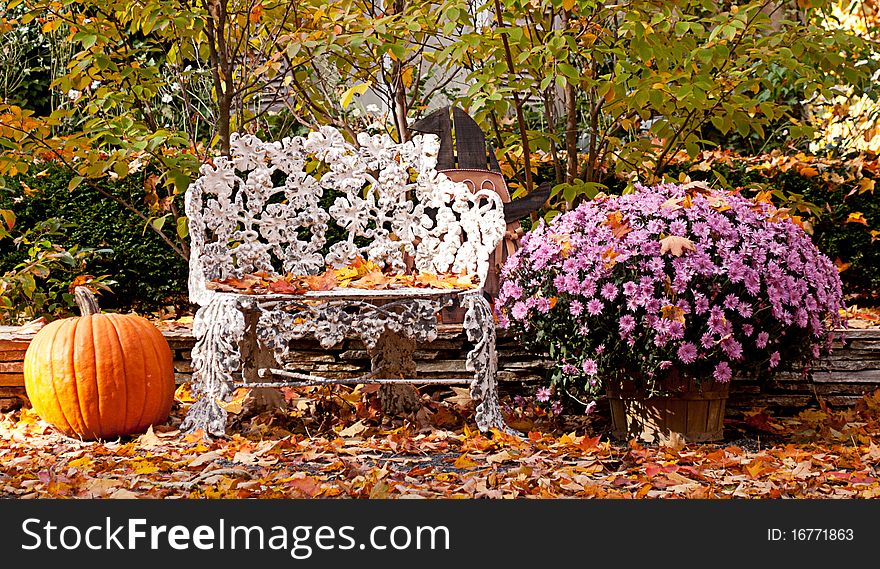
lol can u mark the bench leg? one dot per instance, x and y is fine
(392, 357)
(218, 328)
(479, 325)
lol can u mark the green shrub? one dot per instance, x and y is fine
(41, 284)
(146, 271)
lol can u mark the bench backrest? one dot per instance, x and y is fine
(303, 203)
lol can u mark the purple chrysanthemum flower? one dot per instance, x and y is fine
(707, 340)
(543, 394)
(519, 311)
(687, 353)
(590, 367)
(762, 340)
(609, 291)
(732, 348)
(511, 290)
(722, 373)
(627, 324)
(746, 274)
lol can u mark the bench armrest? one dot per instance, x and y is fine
(519, 208)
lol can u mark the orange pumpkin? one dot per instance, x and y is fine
(99, 376)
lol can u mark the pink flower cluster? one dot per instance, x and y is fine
(709, 282)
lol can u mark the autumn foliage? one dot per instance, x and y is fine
(361, 274)
(335, 444)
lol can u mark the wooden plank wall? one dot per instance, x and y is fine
(852, 371)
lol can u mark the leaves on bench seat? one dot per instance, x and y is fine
(360, 274)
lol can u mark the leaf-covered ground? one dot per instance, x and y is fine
(337, 444)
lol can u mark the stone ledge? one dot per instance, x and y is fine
(852, 370)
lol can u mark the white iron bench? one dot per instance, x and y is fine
(267, 208)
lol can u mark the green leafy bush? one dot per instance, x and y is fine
(40, 285)
(146, 271)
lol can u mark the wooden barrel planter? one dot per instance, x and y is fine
(684, 405)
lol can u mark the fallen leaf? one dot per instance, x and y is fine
(353, 430)
(149, 439)
(123, 494)
(464, 461)
(237, 404)
(462, 396)
(674, 441)
(676, 245)
(282, 286)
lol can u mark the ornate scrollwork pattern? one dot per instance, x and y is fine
(479, 325)
(264, 208)
(216, 358)
(331, 321)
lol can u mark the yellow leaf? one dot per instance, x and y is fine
(83, 463)
(236, 404)
(407, 77)
(142, 466)
(346, 274)
(8, 217)
(866, 185)
(464, 461)
(184, 394)
(856, 217)
(349, 94)
(755, 468)
(568, 5)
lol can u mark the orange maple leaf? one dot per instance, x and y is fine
(325, 281)
(619, 225)
(672, 312)
(372, 280)
(282, 286)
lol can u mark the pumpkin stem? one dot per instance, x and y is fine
(86, 301)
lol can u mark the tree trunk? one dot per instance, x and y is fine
(571, 123)
(221, 68)
(399, 88)
(517, 103)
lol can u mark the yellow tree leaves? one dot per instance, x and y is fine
(347, 97)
